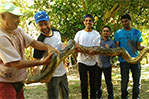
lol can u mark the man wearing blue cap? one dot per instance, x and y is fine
(130, 39)
(13, 41)
(51, 37)
(87, 63)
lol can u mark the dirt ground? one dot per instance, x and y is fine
(38, 90)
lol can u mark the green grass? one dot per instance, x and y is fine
(35, 92)
(39, 91)
(74, 89)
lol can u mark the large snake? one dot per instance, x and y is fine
(48, 70)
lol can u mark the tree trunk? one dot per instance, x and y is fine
(83, 5)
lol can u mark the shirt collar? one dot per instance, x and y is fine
(107, 39)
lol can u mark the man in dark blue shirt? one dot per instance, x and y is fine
(105, 65)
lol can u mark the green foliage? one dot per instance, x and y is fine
(67, 15)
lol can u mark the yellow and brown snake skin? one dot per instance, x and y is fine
(47, 71)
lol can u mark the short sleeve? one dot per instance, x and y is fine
(77, 37)
(98, 38)
(39, 53)
(116, 36)
(7, 52)
(139, 36)
(27, 39)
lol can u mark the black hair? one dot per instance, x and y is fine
(106, 26)
(126, 16)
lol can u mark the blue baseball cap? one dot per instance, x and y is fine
(41, 16)
(88, 15)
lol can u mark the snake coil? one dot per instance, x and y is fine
(48, 70)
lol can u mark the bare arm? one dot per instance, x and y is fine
(25, 64)
(63, 46)
(117, 44)
(41, 46)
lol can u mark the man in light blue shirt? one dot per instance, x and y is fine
(130, 39)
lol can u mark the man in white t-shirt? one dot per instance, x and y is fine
(51, 37)
(13, 41)
(87, 63)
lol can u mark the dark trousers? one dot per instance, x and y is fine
(84, 70)
(136, 72)
(56, 86)
(108, 80)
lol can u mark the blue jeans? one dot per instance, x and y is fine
(108, 80)
(83, 71)
(136, 73)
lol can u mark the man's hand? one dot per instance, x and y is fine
(91, 51)
(140, 47)
(36, 70)
(52, 49)
(47, 60)
(106, 46)
(77, 48)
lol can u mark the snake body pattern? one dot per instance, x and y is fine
(48, 70)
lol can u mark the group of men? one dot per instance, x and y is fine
(13, 41)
